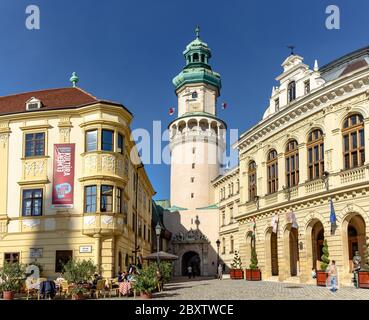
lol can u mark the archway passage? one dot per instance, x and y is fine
(274, 253)
(294, 251)
(317, 237)
(356, 238)
(192, 259)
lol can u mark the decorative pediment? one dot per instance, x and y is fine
(191, 235)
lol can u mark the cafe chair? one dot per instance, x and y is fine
(100, 288)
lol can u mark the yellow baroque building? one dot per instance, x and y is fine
(304, 163)
(72, 184)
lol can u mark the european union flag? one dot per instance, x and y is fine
(333, 218)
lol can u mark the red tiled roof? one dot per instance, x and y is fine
(51, 99)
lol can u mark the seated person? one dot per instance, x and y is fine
(121, 276)
(97, 277)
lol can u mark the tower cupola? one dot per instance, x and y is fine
(197, 53)
(197, 68)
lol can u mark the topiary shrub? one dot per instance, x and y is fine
(237, 263)
(366, 256)
(254, 259)
(165, 268)
(325, 257)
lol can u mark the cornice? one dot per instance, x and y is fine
(332, 93)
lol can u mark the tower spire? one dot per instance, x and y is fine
(197, 32)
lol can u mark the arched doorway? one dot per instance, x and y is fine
(274, 253)
(271, 253)
(294, 251)
(317, 238)
(355, 238)
(192, 259)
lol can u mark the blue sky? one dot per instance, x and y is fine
(129, 51)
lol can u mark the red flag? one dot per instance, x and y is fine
(171, 111)
(224, 105)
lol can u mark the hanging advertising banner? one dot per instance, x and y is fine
(63, 175)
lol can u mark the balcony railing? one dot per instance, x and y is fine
(103, 163)
(103, 223)
(353, 175)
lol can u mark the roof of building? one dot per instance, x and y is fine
(345, 64)
(51, 99)
(213, 206)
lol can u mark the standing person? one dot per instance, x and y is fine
(220, 272)
(313, 273)
(189, 271)
(357, 266)
(333, 275)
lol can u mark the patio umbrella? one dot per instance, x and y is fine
(162, 256)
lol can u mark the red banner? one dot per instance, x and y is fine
(63, 178)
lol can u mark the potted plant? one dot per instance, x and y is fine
(253, 273)
(236, 271)
(78, 273)
(322, 274)
(165, 269)
(363, 274)
(11, 279)
(146, 281)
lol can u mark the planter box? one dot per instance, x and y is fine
(363, 277)
(321, 278)
(236, 274)
(146, 295)
(253, 274)
(8, 295)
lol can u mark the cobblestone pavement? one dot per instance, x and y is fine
(209, 289)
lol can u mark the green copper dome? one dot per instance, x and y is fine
(197, 69)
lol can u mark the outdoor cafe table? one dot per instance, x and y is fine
(125, 287)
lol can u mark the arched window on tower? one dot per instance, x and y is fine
(291, 91)
(194, 95)
(195, 57)
(292, 164)
(315, 146)
(202, 58)
(353, 141)
(252, 180)
(272, 173)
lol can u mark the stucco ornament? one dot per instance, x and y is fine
(87, 221)
(31, 223)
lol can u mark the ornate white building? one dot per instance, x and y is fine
(308, 150)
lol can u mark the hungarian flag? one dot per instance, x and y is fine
(171, 111)
(224, 105)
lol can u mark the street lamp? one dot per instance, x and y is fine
(218, 245)
(158, 232)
